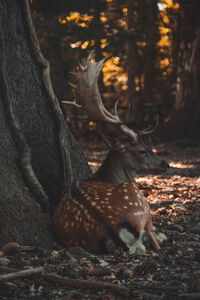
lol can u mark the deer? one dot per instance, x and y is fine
(108, 210)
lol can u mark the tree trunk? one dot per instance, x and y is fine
(39, 158)
(185, 121)
(141, 52)
(133, 60)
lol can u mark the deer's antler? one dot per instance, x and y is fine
(150, 128)
(89, 98)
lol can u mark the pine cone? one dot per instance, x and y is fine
(10, 248)
(148, 265)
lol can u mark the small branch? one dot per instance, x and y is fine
(86, 284)
(7, 270)
(64, 281)
(70, 256)
(72, 103)
(21, 274)
(191, 296)
(60, 122)
(72, 85)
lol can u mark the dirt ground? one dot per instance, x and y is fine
(171, 273)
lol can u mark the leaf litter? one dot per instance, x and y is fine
(171, 273)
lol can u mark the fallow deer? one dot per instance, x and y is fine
(108, 210)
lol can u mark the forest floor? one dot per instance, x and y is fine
(171, 273)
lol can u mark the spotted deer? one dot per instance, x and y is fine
(107, 211)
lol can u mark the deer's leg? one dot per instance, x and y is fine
(156, 239)
(153, 237)
(134, 244)
(138, 245)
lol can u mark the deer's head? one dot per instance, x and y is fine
(128, 154)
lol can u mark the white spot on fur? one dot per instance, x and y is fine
(136, 204)
(137, 192)
(126, 197)
(130, 203)
(138, 213)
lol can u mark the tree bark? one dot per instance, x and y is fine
(39, 158)
(141, 54)
(185, 121)
(133, 64)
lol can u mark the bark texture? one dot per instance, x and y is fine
(39, 158)
(185, 122)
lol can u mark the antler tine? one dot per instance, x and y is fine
(72, 103)
(150, 128)
(115, 108)
(72, 73)
(90, 55)
(127, 131)
(72, 85)
(83, 68)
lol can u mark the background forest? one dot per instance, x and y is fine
(153, 48)
(153, 51)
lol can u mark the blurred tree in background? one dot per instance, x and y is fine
(154, 50)
(185, 119)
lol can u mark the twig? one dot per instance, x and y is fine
(189, 296)
(21, 274)
(70, 256)
(86, 284)
(67, 169)
(153, 286)
(6, 269)
(64, 281)
(81, 284)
